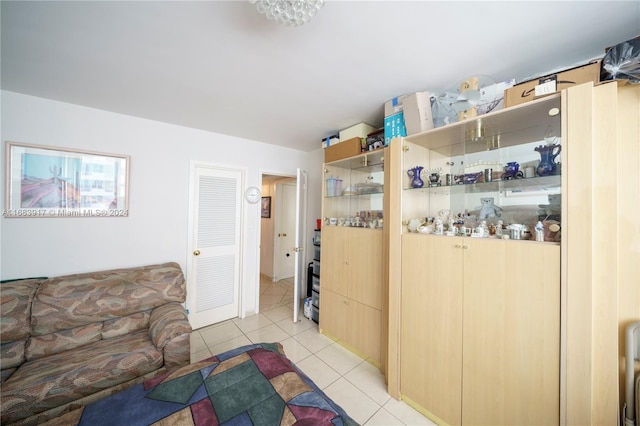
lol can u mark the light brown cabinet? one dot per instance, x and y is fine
(352, 286)
(475, 340)
(480, 329)
(475, 321)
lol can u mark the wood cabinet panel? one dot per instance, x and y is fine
(480, 329)
(365, 266)
(511, 333)
(333, 268)
(431, 325)
(333, 314)
(351, 270)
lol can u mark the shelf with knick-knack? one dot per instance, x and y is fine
(540, 183)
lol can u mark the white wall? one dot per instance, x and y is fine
(156, 229)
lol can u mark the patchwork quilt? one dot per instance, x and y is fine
(251, 385)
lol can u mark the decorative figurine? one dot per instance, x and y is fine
(539, 228)
(439, 227)
(434, 179)
(511, 171)
(488, 210)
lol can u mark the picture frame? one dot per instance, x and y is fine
(43, 181)
(265, 207)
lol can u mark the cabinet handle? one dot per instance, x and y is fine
(457, 246)
(465, 247)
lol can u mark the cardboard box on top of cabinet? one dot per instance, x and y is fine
(344, 149)
(394, 127)
(552, 83)
(393, 106)
(491, 97)
(417, 112)
(360, 130)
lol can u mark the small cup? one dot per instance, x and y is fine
(529, 172)
(333, 221)
(448, 179)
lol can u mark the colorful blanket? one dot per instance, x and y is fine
(250, 385)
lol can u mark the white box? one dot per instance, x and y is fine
(494, 93)
(417, 112)
(491, 99)
(360, 130)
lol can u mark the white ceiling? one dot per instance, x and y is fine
(222, 67)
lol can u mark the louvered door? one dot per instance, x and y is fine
(213, 275)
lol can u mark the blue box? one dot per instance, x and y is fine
(394, 127)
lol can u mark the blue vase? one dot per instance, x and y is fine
(414, 174)
(548, 154)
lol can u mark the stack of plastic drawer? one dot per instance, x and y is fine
(315, 284)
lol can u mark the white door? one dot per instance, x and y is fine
(301, 226)
(213, 268)
(285, 232)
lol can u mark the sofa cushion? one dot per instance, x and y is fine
(15, 305)
(65, 340)
(58, 379)
(129, 324)
(12, 353)
(67, 302)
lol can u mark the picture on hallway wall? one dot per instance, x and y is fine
(265, 210)
(59, 182)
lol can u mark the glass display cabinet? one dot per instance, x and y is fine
(354, 191)
(352, 254)
(503, 168)
(458, 280)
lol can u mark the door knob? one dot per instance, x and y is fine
(196, 252)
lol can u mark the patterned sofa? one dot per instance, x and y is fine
(68, 341)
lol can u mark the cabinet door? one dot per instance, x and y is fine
(333, 268)
(364, 329)
(511, 333)
(365, 266)
(431, 324)
(333, 314)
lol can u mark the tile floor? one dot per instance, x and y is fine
(354, 384)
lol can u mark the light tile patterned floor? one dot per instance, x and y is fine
(354, 384)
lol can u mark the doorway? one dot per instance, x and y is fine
(273, 227)
(276, 242)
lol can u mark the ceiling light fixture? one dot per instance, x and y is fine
(290, 12)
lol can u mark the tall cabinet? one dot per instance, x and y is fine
(478, 316)
(493, 331)
(353, 262)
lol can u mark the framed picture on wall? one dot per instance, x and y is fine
(265, 210)
(59, 182)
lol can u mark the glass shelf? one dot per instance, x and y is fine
(539, 183)
(356, 195)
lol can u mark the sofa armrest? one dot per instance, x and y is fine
(170, 332)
